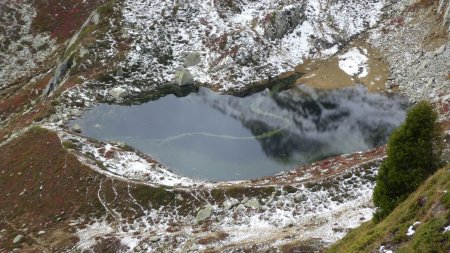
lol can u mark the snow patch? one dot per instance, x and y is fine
(411, 229)
(446, 229)
(384, 250)
(355, 62)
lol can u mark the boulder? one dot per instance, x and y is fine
(204, 213)
(191, 59)
(240, 207)
(83, 51)
(183, 77)
(95, 17)
(118, 93)
(76, 128)
(154, 238)
(17, 239)
(300, 197)
(230, 203)
(253, 203)
(179, 197)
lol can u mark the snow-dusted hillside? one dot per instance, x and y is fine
(234, 43)
(20, 50)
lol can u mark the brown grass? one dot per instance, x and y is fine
(62, 18)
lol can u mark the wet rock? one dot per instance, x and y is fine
(230, 203)
(204, 214)
(192, 59)
(183, 77)
(76, 128)
(154, 238)
(17, 239)
(253, 203)
(118, 93)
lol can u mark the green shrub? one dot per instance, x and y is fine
(413, 154)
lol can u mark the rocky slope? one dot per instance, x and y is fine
(56, 64)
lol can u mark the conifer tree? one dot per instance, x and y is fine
(414, 152)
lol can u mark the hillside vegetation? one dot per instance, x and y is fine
(429, 205)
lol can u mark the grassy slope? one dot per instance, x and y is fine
(430, 205)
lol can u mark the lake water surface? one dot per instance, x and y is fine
(220, 137)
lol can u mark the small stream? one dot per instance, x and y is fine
(221, 137)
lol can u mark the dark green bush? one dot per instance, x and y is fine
(413, 154)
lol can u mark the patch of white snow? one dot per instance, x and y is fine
(354, 62)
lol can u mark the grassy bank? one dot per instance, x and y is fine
(429, 205)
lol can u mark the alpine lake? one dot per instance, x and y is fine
(217, 137)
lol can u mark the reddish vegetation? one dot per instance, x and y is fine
(45, 187)
(40, 181)
(62, 18)
(17, 100)
(12, 107)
